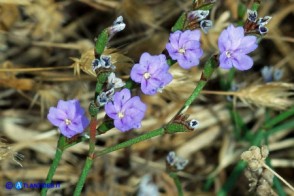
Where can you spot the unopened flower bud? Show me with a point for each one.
(118, 25)
(262, 30)
(206, 25)
(197, 15)
(252, 15)
(193, 124)
(263, 21)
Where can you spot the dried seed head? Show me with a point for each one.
(246, 156)
(254, 165)
(264, 152)
(275, 95)
(255, 152)
(255, 157)
(259, 177)
(7, 153)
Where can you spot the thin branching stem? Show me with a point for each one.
(177, 182)
(278, 176)
(56, 160)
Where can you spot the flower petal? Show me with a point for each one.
(121, 125)
(120, 98)
(248, 44)
(173, 52)
(79, 124)
(158, 64)
(64, 130)
(236, 34)
(150, 86)
(191, 58)
(144, 59)
(225, 62)
(134, 103)
(223, 44)
(73, 108)
(111, 110)
(244, 62)
(174, 39)
(166, 79)
(56, 116)
(137, 72)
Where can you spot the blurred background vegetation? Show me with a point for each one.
(46, 49)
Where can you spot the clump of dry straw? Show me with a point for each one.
(275, 95)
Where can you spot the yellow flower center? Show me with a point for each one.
(182, 50)
(67, 121)
(147, 75)
(120, 115)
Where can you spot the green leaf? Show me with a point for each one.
(105, 126)
(255, 5)
(101, 42)
(176, 127)
(180, 24)
(206, 6)
(242, 9)
(93, 109)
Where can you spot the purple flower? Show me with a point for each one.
(185, 48)
(126, 112)
(152, 73)
(69, 117)
(234, 47)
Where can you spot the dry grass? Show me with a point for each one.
(45, 50)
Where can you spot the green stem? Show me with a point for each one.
(83, 176)
(89, 160)
(56, 160)
(208, 70)
(177, 182)
(209, 67)
(130, 142)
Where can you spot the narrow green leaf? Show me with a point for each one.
(101, 42)
(180, 24)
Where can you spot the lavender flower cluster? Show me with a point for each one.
(152, 72)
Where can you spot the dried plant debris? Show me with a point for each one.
(260, 179)
(258, 173)
(275, 95)
(46, 54)
(6, 153)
